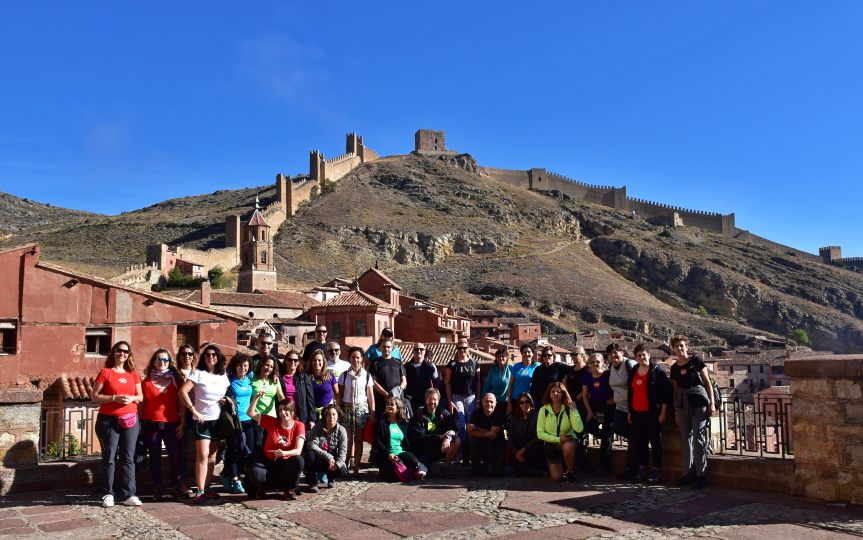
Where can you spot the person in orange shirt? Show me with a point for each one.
(161, 421)
(118, 391)
(649, 398)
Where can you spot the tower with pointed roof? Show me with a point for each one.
(257, 269)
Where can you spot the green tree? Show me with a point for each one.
(801, 336)
(216, 276)
(702, 310)
(175, 277)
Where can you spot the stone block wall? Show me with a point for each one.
(827, 395)
(20, 411)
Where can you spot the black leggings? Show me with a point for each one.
(281, 474)
(388, 470)
(316, 463)
(645, 429)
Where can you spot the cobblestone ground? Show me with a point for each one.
(459, 508)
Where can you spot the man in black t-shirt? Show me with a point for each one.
(421, 375)
(547, 372)
(388, 375)
(573, 382)
(485, 437)
(320, 343)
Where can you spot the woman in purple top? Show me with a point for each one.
(324, 385)
(598, 399)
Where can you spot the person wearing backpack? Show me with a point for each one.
(649, 399)
(693, 407)
(356, 399)
(557, 425)
(619, 369)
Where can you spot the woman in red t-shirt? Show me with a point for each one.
(280, 462)
(649, 398)
(161, 420)
(118, 391)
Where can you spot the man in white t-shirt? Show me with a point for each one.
(334, 362)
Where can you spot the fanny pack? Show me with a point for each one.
(128, 420)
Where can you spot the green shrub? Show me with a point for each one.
(702, 310)
(801, 336)
(216, 276)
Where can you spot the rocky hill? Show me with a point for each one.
(19, 215)
(446, 233)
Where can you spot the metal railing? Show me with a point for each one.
(68, 431)
(755, 425)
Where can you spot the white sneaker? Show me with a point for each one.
(132, 501)
(107, 501)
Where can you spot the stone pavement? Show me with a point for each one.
(462, 508)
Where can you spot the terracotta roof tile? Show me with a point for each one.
(290, 298)
(76, 388)
(356, 298)
(441, 354)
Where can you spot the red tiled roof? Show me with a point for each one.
(258, 220)
(290, 298)
(383, 277)
(356, 299)
(76, 387)
(441, 354)
(236, 299)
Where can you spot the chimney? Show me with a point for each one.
(205, 293)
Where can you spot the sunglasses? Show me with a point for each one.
(420, 350)
(270, 343)
(210, 354)
(292, 360)
(320, 331)
(461, 348)
(335, 350)
(162, 360)
(122, 351)
(524, 402)
(186, 353)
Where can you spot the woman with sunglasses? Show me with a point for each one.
(462, 383)
(209, 384)
(161, 421)
(279, 463)
(185, 365)
(117, 389)
(325, 386)
(297, 386)
(547, 372)
(357, 402)
(523, 443)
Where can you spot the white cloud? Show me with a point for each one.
(282, 67)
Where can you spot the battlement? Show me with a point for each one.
(830, 254)
(675, 208)
(568, 179)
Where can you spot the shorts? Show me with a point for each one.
(205, 430)
(553, 452)
(355, 417)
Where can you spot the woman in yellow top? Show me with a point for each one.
(556, 426)
(267, 381)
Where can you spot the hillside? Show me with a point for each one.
(19, 215)
(446, 233)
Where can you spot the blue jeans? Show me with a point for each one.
(154, 434)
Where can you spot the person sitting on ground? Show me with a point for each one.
(325, 387)
(392, 442)
(522, 375)
(297, 386)
(548, 371)
(326, 450)
(598, 399)
(357, 402)
(374, 353)
(557, 424)
(498, 379)
(524, 445)
(486, 445)
(334, 361)
(421, 375)
(649, 400)
(433, 432)
(279, 463)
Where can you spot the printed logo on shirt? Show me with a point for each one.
(122, 380)
(281, 440)
(596, 384)
(683, 371)
(638, 382)
(430, 425)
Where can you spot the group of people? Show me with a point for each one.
(276, 419)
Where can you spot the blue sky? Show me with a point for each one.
(747, 107)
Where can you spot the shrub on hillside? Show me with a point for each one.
(801, 336)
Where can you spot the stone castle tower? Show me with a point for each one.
(257, 269)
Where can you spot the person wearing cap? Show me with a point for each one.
(335, 364)
(374, 352)
(319, 344)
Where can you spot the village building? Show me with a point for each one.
(57, 327)
(517, 330)
(483, 323)
(747, 370)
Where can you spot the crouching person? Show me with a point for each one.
(392, 445)
(557, 426)
(326, 450)
(280, 462)
(433, 433)
(485, 437)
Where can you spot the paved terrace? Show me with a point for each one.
(460, 508)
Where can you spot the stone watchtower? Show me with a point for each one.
(429, 140)
(830, 254)
(257, 269)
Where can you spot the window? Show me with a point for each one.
(778, 370)
(731, 383)
(748, 369)
(187, 335)
(264, 257)
(275, 315)
(360, 328)
(98, 341)
(8, 337)
(252, 314)
(292, 340)
(762, 369)
(336, 329)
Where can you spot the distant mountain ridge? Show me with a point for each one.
(446, 232)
